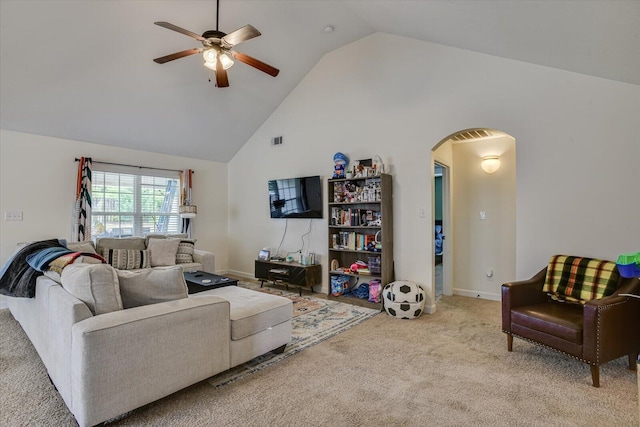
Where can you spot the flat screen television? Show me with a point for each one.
(296, 197)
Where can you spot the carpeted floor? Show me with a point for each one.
(314, 320)
(446, 369)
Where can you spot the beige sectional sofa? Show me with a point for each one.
(201, 260)
(111, 356)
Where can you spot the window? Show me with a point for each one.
(128, 201)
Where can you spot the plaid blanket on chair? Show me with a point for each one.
(578, 279)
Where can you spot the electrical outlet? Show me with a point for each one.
(13, 215)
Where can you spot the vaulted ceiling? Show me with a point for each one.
(83, 70)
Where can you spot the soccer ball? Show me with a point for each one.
(404, 299)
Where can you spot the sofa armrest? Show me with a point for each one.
(609, 328)
(125, 359)
(207, 259)
(47, 320)
(521, 293)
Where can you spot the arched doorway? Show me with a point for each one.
(478, 213)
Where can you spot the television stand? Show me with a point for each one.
(288, 273)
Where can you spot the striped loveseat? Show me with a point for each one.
(577, 306)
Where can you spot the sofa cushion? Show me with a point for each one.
(185, 251)
(163, 251)
(94, 284)
(151, 286)
(127, 259)
(578, 279)
(552, 318)
(252, 311)
(137, 243)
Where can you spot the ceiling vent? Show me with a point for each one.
(470, 135)
(276, 141)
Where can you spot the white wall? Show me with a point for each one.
(577, 155)
(489, 244)
(38, 175)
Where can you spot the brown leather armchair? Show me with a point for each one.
(597, 332)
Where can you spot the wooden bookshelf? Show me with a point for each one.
(361, 229)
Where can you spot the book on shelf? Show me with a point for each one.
(350, 240)
(369, 238)
(354, 217)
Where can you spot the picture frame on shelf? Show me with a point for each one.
(264, 255)
(363, 168)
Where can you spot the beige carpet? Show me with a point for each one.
(446, 369)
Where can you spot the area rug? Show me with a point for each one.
(317, 319)
(301, 304)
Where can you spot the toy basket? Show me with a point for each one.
(629, 265)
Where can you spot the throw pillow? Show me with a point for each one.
(94, 284)
(127, 259)
(88, 260)
(185, 251)
(82, 247)
(163, 251)
(59, 264)
(164, 236)
(151, 286)
(137, 243)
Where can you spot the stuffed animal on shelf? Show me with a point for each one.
(378, 165)
(358, 265)
(340, 163)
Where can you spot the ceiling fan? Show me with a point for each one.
(217, 49)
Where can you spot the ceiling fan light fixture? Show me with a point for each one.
(226, 61)
(210, 62)
(217, 50)
(210, 55)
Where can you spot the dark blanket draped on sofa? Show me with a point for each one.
(18, 278)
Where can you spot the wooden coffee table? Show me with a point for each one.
(198, 281)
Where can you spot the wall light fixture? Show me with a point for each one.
(490, 164)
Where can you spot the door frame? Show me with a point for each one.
(447, 229)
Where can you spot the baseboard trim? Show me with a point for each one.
(238, 273)
(430, 309)
(477, 294)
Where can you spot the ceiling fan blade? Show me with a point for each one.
(272, 71)
(222, 80)
(180, 30)
(240, 35)
(177, 55)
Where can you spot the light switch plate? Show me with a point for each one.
(13, 215)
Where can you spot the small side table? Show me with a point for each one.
(198, 281)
